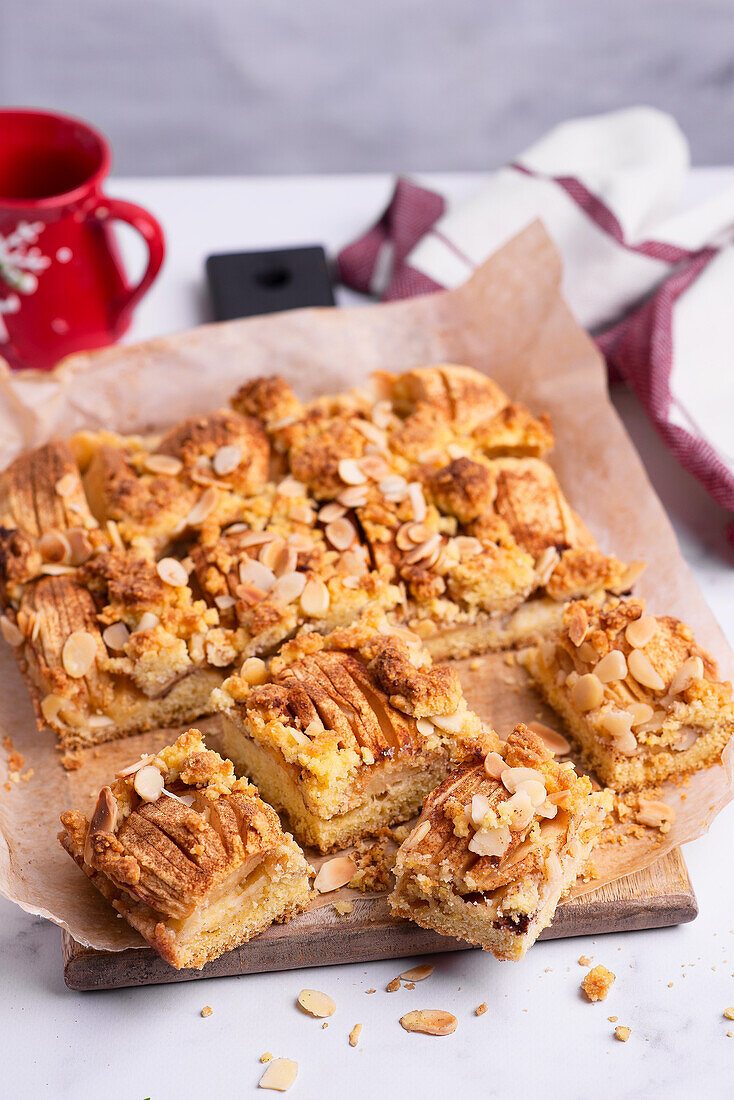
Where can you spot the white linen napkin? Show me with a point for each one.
(652, 283)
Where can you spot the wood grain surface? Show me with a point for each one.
(659, 896)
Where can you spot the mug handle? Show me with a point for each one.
(151, 232)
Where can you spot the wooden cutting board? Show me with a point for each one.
(661, 895)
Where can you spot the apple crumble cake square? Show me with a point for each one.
(348, 732)
(190, 856)
(641, 698)
(497, 845)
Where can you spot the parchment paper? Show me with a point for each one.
(508, 320)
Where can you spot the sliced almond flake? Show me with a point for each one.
(418, 973)
(382, 414)
(350, 472)
(167, 465)
(331, 511)
(224, 602)
(54, 547)
(494, 765)
(53, 569)
(421, 830)
(418, 501)
(148, 783)
(290, 487)
(392, 483)
(316, 1003)
(254, 572)
(116, 636)
(286, 561)
(172, 572)
(227, 459)
(50, 706)
(268, 553)
(450, 723)
(371, 431)
(424, 550)
(302, 513)
(10, 632)
(554, 741)
(301, 542)
(315, 599)
(288, 587)
(204, 506)
(131, 769)
(425, 727)
(66, 485)
(334, 874)
(80, 548)
(643, 671)
(279, 1074)
(114, 532)
(429, 1021)
(374, 466)
(353, 497)
(78, 654)
(690, 671)
(251, 538)
(612, 667)
(340, 533)
(467, 546)
(641, 631)
(546, 564)
(148, 621)
(254, 671)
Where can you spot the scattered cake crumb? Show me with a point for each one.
(207, 1010)
(371, 990)
(343, 908)
(393, 986)
(597, 983)
(324, 1025)
(585, 960)
(266, 1057)
(375, 858)
(354, 1035)
(622, 1033)
(729, 1013)
(480, 1009)
(72, 761)
(612, 1019)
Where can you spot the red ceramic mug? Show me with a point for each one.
(62, 284)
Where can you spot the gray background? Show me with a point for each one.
(238, 86)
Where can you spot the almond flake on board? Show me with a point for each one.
(334, 874)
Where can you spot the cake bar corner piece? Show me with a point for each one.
(643, 700)
(191, 857)
(497, 845)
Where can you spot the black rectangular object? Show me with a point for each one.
(247, 284)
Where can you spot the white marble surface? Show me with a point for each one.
(539, 1036)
